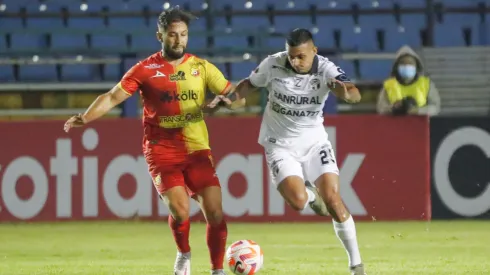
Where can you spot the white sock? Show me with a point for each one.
(346, 232)
(311, 197)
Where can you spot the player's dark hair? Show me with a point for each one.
(298, 36)
(172, 15)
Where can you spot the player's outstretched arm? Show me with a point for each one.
(236, 97)
(101, 106)
(345, 90)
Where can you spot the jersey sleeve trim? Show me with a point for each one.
(124, 90)
(226, 87)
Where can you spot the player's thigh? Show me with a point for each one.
(321, 169)
(168, 180)
(199, 173)
(287, 174)
(210, 201)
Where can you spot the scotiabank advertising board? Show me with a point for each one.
(99, 173)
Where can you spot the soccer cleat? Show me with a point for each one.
(182, 264)
(218, 272)
(357, 270)
(318, 205)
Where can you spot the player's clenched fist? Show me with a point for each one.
(74, 121)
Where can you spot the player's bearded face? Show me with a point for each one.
(174, 40)
(301, 57)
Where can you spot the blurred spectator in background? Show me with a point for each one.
(408, 90)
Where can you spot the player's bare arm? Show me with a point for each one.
(101, 106)
(347, 91)
(235, 97)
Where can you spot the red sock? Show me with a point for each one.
(181, 233)
(216, 240)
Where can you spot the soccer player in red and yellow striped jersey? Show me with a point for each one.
(173, 86)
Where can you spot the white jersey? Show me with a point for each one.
(293, 116)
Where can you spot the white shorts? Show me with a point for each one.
(308, 165)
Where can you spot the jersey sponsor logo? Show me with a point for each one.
(180, 121)
(159, 74)
(153, 66)
(168, 97)
(179, 76)
(299, 100)
(298, 113)
(283, 81)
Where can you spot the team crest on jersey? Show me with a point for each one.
(195, 72)
(180, 75)
(315, 84)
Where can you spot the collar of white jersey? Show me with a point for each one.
(314, 66)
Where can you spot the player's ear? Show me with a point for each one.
(159, 36)
(315, 49)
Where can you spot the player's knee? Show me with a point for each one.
(214, 217)
(180, 212)
(298, 200)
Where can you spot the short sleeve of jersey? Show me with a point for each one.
(334, 71)
(215, 80)
(131, 81)
(260, 77)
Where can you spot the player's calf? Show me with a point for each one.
(345, 229)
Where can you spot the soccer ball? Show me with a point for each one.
(244, 257)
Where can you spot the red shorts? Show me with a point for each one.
(195, 172)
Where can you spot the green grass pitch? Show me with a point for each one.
(147, 248)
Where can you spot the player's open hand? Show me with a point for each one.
(74, 121)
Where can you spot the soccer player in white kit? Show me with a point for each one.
(296, 145)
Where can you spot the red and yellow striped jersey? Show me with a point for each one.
(173, 98)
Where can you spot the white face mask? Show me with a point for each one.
(407, 71)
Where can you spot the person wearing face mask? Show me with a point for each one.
(408, 90)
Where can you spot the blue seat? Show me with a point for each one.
(146, 42)
(347, 66)
(458, 3)
(79, 73)
(285, 24)
(230, 41)
(369, 26)
(108, 41)
(248, 22)
(130, 62)
(38, 73)
(68, 41)
(372, 5)
(450, 32)
(7, 73)
(12, 5)
(242, 70)
(3, 42)
(44, 23)
(128, 23)
(396, 37)
(345, 24)
(112, 72)
(412, 3)
(27, 41)
(89, 23)
(375, 69)
(196, 42)
(13, 24)
(223, 70)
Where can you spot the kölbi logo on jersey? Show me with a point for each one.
(182, 96)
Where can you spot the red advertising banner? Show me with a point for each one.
(98, 172)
